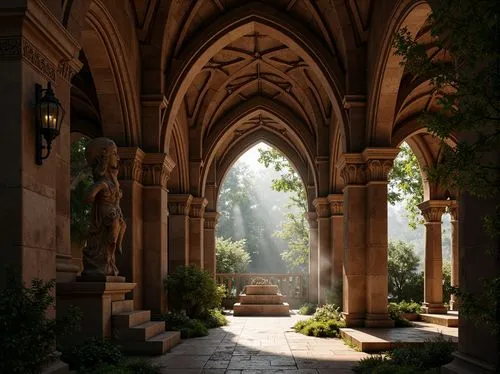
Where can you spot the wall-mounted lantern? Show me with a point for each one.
(49, 116)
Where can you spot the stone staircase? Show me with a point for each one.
(261, 300)
(134, 331)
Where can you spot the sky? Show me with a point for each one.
(251, 156)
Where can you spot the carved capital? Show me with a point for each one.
(336, 204)
(312, 218)
(156, 169)
(198, 205)
(379, 163)
(179, 205)
(131, 163)
(211, 219)
(67, 69)
(322, 207)
(433, 210)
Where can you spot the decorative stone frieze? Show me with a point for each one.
(156, 169)
(179, 205)
(322, 206)
(197, 209)
(336, 202)
(131, 163)
(312, 218)
(211, 219)
(433, 210)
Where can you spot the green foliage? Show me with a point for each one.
(81, 180)
(405, 184)
(368, 364)
(325, 322)
(396, 315)
(327, 312)
(308, 309)
(447, 288)
(406, 307)
(231, 256)
(129, 366)
(192, 291)
(91, 354)
(405, 282)
(27, 334)
(189, 328)
(213, 318)
(294, 230)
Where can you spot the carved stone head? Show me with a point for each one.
(102, 156)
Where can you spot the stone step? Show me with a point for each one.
(261, 309)
(448, 320)
(122, 306)
(261, 299)
(131, 319)
(157, 345)
(140, 332)
(266, 289)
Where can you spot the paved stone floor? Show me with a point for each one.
(255, 345)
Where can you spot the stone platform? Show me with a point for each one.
(261, 300)
(383, 339)
(448, 320)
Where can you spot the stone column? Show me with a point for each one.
(432, 210)
(156, 171)
(337, 243)
(34, 49)
(324, 251)
(196, 231)
(352, 171)
(378, 164)
(209, 242)
(313, 257)
(129, 263)
(178, 228)
(455, 255)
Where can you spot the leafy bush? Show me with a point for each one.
(432, 354)
(27, 335)
(91, 354)
(327, 312)
(231, 256)
(213, 318)
(134, 366)
(409, 307)
(192, 290)
(396, 314)
(367, 365)
(307, 309)
(189, 328)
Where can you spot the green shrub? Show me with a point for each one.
(389, 368)
(134, 366)
(27, 335)
(406, 307)
(430, 355)
(189, 328)
(307, 309)
(367, 365)
(192, 290)
(213, 318)
(91, 354)
(321, 329)
(327, 312)
(396, 315)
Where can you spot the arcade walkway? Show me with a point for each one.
(255, 345)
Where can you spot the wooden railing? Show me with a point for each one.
(293, 286)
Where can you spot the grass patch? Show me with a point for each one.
(325, 323)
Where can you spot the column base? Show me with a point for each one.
(354, 319)
(463, 364)
(93, 299)
(378, 320)
(437, 308)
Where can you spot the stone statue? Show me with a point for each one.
(107, 225)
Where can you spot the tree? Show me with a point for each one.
(294, 230)
(404, 279)
(405, 184)
(231, 256)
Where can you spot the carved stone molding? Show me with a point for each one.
(378, 170)
(352, 169)
(312, 218)
(211, 219)
(179, 205)
(131, 163)
(433, 210)
(336, 204)
(322, 206)
(156, 169)
(198, 205)
(68, 68)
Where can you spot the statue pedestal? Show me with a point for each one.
(94, 299)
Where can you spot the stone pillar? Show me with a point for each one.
(455, 255)
(432, 210)
(129, 263)
(34, 49)
(196, 231)
(352, 171)
(156, 171)
(178, 228)
(378, 164)
(209, 242)
(337, 243)
(313, 257)
(324, 251)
